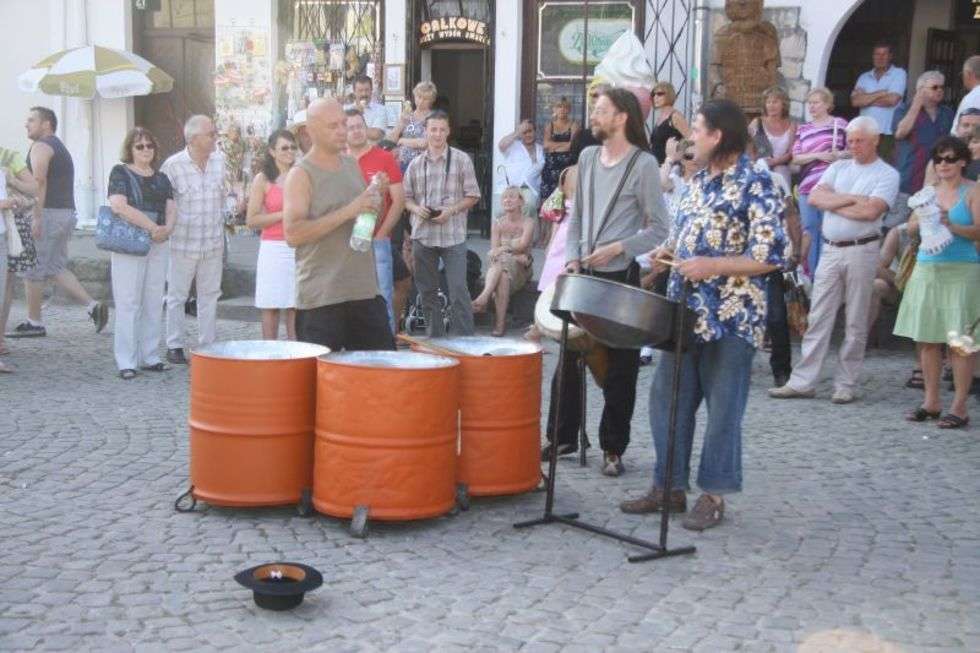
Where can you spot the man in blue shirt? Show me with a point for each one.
(878, 92)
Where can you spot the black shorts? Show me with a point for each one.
(358, 325)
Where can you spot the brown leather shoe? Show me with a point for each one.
(653, 501)
(706, 514)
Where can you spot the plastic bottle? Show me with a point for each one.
(363, 234)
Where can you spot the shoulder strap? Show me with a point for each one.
(134, 183)
(593, 240)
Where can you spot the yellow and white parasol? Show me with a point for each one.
(91, 71)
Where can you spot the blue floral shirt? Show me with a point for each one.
(737, 213)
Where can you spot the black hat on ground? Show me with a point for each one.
(279, 585)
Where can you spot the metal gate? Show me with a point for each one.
(673, 47)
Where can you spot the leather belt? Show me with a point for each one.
(852, 243)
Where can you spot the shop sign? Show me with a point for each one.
(602, 33)
(454, 28)
(967, 14)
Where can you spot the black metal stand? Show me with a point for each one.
(657, 550)
(583, 436)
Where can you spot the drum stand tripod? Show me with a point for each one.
(658, 550)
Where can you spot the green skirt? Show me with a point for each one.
(939, 298)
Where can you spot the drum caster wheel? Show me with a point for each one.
(463, 497)
(359, 522)
(305, 506)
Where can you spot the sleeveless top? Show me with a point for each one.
(961, 250)
(780, 147)
(561, 137)
(272, 203)
(661, 134)
(61, 175)
(328, 271)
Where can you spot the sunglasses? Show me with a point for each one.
(286, 148)
(139, 147)
(945, 159)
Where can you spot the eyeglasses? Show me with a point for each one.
(139, 147)
(945, 159)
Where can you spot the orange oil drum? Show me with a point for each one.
(251, 420)
(386, 433)
(500, 409)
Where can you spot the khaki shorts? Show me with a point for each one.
(52, 246)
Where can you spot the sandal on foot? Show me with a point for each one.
(951, 421)
(915, 381)
(920, 414)
(127, 374)
(156, 367)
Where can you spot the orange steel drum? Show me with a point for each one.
(500, 407)
(386, 430)
(251, 421)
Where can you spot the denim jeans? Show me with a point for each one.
(384, 265)
(777, 323)
(811, 219)
(717, 372)
(427, 282)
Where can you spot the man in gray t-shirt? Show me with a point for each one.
(637, 222)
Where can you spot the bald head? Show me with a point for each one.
(325, 121)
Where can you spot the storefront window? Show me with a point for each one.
(183, 14)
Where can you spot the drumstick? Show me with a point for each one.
(665, 261)
(425, 344)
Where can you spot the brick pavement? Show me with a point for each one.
(853, 525)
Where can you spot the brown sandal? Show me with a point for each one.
(951, 421)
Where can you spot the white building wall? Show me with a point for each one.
(506, 43)
(25, 45)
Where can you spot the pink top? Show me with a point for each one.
(811, 139)
(273, 204)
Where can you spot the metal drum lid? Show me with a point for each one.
(260, 350)
(484, 346)
(405, 360)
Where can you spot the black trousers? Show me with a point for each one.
(353, 326)
(619, 390)
(777, 323)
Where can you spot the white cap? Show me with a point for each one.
(299, 120)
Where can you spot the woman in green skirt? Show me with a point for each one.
(943, 293)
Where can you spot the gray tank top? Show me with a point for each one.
(61, 175)
(328, 271)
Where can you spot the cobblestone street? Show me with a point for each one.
(855, 528)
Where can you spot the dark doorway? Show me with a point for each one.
(874, 21)
(179, 38)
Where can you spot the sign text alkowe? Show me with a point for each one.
(454, 28)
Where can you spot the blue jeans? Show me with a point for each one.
(719, 373)
(811, 219)
(386, 285)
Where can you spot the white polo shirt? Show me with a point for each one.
(520, 168)
(894, 80)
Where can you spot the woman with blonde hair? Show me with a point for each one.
(668, 122)
(774, 132)
(558, 135)
(409, 133)
(818, 143)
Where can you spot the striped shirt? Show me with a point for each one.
(436, 183)
(811, 139)
(200, 198)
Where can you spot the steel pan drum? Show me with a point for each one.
(617, 314)
(251, 421)
(500, 410)
(386, 431)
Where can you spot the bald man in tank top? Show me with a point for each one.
(337, 298)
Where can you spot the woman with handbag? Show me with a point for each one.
(509, 258)
(818, 143)
(143, 197)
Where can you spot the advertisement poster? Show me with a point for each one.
(564, 35)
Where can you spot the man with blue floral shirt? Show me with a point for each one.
(727, 236)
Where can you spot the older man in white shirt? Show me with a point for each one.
(523, 160)
(971, 82)
(197, 175)
(855, 194)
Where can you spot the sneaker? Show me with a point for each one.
(706, 514)
(653, 501)
(176, 356)
(612, 465)
(100, 316)
(563, 450)
(842, 397)
(27, 330)
(788, 392)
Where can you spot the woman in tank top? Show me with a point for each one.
(275, 270)
(943, 293)
(558, 136)
(668, 122)
(774, 133)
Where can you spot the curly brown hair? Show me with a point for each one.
(138, 135)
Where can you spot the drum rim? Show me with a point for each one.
(426, 361)
(290, 350)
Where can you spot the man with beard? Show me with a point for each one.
(619, 213)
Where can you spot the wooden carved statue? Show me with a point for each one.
(745, 56)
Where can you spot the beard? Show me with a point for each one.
(599, 133)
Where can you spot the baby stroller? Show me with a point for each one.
(414, 320)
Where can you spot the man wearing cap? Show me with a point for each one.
(298, 126)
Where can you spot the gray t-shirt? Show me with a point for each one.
(639, 219)
(876, 179)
